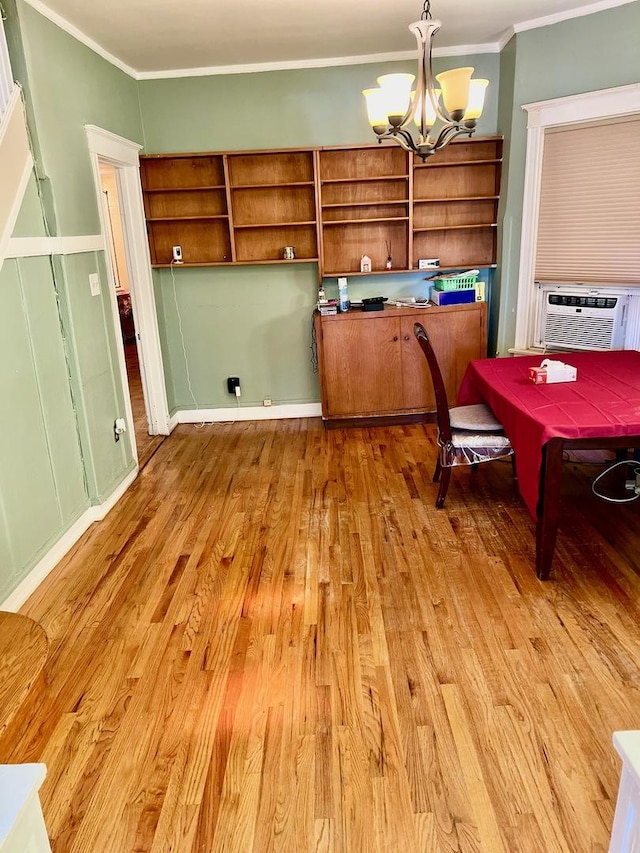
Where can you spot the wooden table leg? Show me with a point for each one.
(548, 506)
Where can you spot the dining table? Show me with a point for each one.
(599, 410)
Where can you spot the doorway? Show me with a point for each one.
(115, 165)
(146, 444)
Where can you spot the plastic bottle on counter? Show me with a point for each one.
(343, 296)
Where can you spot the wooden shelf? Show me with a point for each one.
(360, 221)
(456, 198)
(450, 163)
(185, 189)
(458, 227)
(365, 180)
(366, 203)
(184, 218)
(272, 186)
(236, 263)
(353, 273)
(275, 224)
(334, 204)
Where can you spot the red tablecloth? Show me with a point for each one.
(604, 402)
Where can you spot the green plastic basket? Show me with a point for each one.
(456, 282)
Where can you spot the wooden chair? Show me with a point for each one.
(467, 435)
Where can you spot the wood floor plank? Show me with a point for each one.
(275, 642)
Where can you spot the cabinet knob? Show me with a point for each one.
(406, 337)
(395, 337)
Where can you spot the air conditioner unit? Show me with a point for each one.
(592, 320)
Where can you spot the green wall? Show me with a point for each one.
(585, 54)
(70, 86)
(42, 487)
(60, 385)
(253, 321)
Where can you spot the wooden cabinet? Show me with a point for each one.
(230, 208)
(333, 205)
(364, 204)
(273, 205)
(371, 365)
(185, 201)
(455, 204)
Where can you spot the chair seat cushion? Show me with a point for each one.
(462, 438)
(477, 418)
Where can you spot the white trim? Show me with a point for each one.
(525, 319)
(77, 34)
(558, 17)
(587, 106)
(68, 539)
(325, 62)
(108, 144)
(173, 422)
(124, 155)
(248, 413)
(30, 247)
(15, 103)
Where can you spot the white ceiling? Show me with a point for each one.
(152, 37)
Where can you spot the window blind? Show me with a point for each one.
(589, 217)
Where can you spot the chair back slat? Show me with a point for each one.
(442, 404)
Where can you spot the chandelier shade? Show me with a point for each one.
(452, 98)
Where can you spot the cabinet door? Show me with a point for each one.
(362, 366)
(457, 338)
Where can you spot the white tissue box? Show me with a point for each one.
(551, 371)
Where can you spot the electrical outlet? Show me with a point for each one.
(119, 427)
(233, 385)
(266, 401)
(94, 284)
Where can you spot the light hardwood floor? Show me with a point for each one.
(275, 642)
(146, 445)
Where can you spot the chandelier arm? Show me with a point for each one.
(404, 138)
(448, 132)
(431, 84)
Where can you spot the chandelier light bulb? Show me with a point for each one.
(450, 102)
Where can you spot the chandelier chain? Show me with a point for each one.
(426, 11)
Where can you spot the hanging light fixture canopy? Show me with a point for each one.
(393, 107)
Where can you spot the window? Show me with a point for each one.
(604, 106)
(589, 212)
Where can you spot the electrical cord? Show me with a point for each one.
(636, 487)
(184, 348)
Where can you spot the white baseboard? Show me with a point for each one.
(51, 559)
(247, 413)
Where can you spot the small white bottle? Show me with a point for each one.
(365, 263)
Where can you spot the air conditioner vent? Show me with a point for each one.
(579, 332)
(593, 321)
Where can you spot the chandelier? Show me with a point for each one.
(393, 107)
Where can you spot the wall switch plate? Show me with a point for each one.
(94, 284)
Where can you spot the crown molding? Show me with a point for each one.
(505, 38)
(328, 62)
(558, 17)
(77, 34)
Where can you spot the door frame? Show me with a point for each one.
(124, 156)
